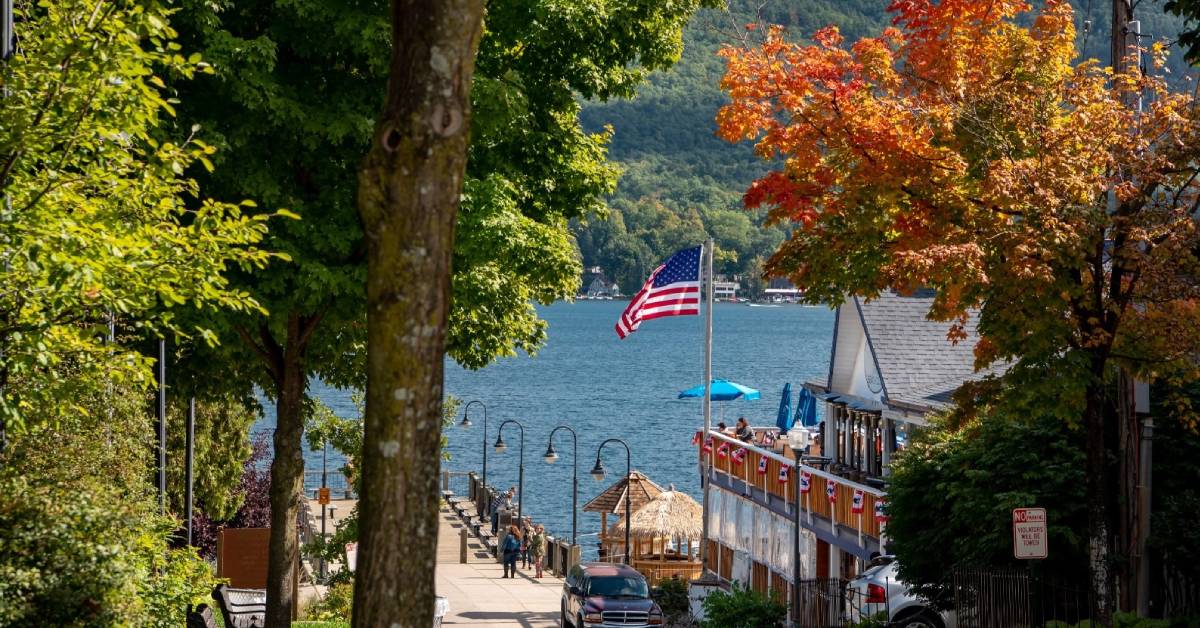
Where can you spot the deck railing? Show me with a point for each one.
(816, 501)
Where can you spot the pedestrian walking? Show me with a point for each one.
(502, 500)
(526, 532)
(510, 548)
(537, 548)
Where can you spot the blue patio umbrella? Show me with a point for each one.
(806, 409)
(722, 390)
(784, 420)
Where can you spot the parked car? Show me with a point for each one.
(599, 595)
(878, 589)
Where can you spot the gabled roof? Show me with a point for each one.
(612, 500)
(915, 358)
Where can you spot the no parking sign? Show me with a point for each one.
(1029, 532)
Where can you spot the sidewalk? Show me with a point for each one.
(478, 595)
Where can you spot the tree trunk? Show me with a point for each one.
(1101, 487)
(408, 196)
(287, 478)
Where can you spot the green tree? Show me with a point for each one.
(222, 446)
(99, 219)
(968, 478)
(282, 87)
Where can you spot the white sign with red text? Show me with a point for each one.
(1029, 533)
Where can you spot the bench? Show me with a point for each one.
(201, 617)
(241, 608)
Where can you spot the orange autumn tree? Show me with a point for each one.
(970, 152)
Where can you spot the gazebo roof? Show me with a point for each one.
(673, 514)
(612, 500)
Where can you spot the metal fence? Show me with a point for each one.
(820, 603)
(339, 488)
(560, 555)
(1006, 598)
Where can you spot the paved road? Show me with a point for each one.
(478, 595)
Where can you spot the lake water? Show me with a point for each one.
(604, 387)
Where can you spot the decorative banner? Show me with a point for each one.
(880, 510)
(696, 438)
(783, 473)
(762, 465)
(856, 506)
(831, 490)
(723, 450)
(708, 445)
(805, 482)
(739, 455)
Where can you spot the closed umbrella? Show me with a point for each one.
(784, 420)
(806, 409)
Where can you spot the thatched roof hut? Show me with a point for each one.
(673, 515)
(612, 501)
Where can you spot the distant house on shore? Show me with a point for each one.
(598, 286)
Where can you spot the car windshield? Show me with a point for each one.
(618, 586)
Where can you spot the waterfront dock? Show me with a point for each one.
(478, 596)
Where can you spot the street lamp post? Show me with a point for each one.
(324, 484)
(500, 447)
(552, 457)
(598, 474)
(466, 422)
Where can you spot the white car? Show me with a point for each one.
(879, 589)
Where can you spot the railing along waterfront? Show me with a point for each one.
(816, 501)
(335, 481)
(473, 505)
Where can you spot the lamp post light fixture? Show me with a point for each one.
(466, 422)
(500, 448)
(598, 473)
(552, 456)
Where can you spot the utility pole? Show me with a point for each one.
(161, 428)
(1136, 424)
(6, 50)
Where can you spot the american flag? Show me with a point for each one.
(673, 289)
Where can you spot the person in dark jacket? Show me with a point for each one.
(510, 549)
(744, 433)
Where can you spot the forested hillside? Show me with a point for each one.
(681, 182)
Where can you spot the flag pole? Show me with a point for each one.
(708, 332)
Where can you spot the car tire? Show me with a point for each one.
(920, 619)
(562, 619)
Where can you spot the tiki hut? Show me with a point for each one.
(611, 501)
(675, 517)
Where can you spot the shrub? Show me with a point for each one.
(335, 606)
(674, 602)
(81, 556)
(743, 608)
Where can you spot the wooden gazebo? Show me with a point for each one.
(611, 501)
(672, 517)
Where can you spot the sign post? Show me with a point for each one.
(1029, 533)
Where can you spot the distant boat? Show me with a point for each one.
(762, 305)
